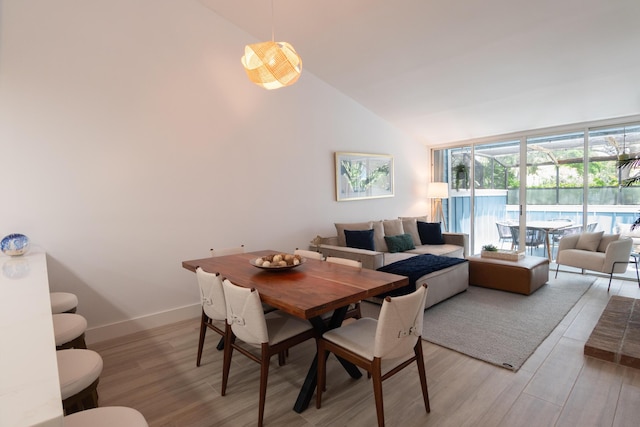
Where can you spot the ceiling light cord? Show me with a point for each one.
(273, 37)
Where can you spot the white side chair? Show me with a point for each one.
(63, 302)
(272, 333)
(214, 310)
(79, 372)
(109, 416)
(354, 310)
(308, 254)
(68, 330)
(344, 261)
(227, 251)
(393, 339)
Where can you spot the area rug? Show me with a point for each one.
(502, 328)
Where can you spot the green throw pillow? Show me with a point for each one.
(399, 243)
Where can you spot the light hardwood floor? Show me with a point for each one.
(155, 372)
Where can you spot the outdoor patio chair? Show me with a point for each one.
(534, 237)
(504, 233)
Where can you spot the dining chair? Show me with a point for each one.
(273, 333)
(344, 261)
(214, 310)
(354, 311)
(504, 233)
(308, 254)
(393, 339)
(227, 251)
(68, 330)
(534, 237)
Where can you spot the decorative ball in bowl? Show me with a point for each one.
(14, 244)
(278, 262)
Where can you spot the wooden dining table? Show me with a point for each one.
(306, 291)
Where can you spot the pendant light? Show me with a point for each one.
(272, 64)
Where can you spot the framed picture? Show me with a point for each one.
(363, 176)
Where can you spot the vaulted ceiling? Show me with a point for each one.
(459, 69)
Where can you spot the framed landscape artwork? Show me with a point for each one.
(363, 176)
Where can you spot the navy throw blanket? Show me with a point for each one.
(416, 267)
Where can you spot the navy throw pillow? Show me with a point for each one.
(399, 243)
(430, 233)
(360, 239)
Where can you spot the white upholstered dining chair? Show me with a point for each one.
(309, 254)
(227, 251)
(354, 310)
(393, 341)
(214, 310)
(271, 333)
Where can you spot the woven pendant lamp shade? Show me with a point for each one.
(272, 65)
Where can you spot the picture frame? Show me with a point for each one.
(363, 176)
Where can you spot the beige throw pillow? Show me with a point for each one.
(606, 239)
(392, 227)
(340, 227)
(410, 226)
(589, 241)
(378, 236)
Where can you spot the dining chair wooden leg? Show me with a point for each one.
(203, 331)
(423, 375)
(377, 389)
(264, 375)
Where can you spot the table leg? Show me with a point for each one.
(309, 385)
(546, 238)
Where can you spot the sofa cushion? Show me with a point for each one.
(410, 226)
(430, 233)
(360, 239)
(340, 227)
(589, 241)
(392, 227)
(606, 239)
(378, 237)
(399, 243)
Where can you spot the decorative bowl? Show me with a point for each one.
(14, 244)
(274, 264)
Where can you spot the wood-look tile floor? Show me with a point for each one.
(155, 372)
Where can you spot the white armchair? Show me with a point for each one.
(605, 253)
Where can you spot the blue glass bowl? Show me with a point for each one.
(14, 244)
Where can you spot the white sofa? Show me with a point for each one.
(605, 253)
(442, 284)
(455, 244)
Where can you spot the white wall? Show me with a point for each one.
(131, 140)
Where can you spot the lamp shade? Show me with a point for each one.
(438, 190)
(272, 65)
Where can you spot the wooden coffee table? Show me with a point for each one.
(524, 276)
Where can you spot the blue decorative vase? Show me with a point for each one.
(14, 244)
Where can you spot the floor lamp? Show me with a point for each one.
(439, 191)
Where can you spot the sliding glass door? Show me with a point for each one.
(560, 183)
(612, 206)
(496, 197)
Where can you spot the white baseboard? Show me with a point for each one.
(126, 327)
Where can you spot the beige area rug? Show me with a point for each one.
(502, 328)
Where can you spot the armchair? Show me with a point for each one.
(605, 253)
